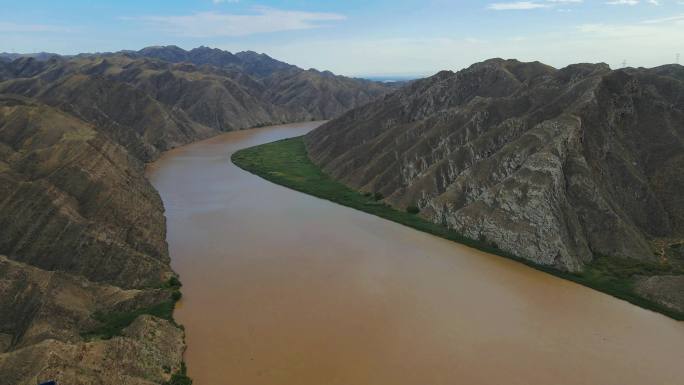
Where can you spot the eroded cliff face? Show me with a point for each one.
(85, 235)
(74, 201)
(556, 166)
(86, 291)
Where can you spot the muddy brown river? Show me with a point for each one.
(281, 288)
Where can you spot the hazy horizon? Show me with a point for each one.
(353, 38)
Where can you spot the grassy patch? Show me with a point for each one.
(113, 323)
(81, 134)
(626, 268)
(285, 162)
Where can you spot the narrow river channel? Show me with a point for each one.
(281, 288)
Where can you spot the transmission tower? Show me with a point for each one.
(624, 63)
(677, 59)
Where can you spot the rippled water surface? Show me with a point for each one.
(284, 288)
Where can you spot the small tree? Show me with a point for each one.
(176, 295)
(412, 210)
(174, 282)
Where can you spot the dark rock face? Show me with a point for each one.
(556, 166)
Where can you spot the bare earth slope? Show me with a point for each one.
(555, 166)
(86, 290)
(74, 201)
(85, 234)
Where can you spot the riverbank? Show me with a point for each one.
(286, 163)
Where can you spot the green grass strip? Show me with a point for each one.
(285, 162)
(113, 323)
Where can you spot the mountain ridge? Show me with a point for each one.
(559, 166)
(83, 253)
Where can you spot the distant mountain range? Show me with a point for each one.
(7, 56)
(204, 89)
(82, 229)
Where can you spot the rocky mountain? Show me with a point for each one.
(558, 166)
(85, 234)
(321, 94)
(63, 180)
(7, 56)
(260, 65)
(84, 265)
(149, 105)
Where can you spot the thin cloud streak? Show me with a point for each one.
(29, 28)
(517, 6)
(216, 24)
(610, 43)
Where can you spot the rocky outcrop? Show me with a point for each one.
(148, 352)
(555, 166)
(39, 304)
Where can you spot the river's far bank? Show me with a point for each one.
(286, 163)
(283, 287)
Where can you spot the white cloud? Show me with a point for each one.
(526, 5)
(623, 2)
(16, 27)
(518, 5)
(671, 19)
(262, 20)
(633, 2)
(640, 44)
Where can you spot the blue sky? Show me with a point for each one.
(354, 37)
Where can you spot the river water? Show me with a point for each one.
(282, 288)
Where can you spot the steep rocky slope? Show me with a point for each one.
(85, 233)
(555, 166)
(86, 291)
(74, 201)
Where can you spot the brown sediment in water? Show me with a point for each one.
(284, 288)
